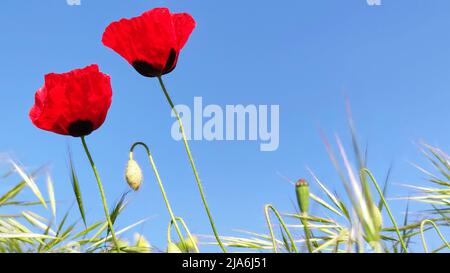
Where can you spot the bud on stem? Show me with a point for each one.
(302, 192)
(133, 174)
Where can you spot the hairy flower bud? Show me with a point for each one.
(302, 192)
(133, 174)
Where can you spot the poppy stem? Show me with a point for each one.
(304, 221)
(191, 160)
(158, 178)
(102, 193)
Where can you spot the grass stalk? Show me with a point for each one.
(191, 160)
(422, 224)
(188, 232)
(282, 223)
(388, 210)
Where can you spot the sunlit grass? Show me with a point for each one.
(355, 223)
(360, 221)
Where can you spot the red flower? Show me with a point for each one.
(151, 42)
(73, 103)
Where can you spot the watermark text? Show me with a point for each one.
(231, 123)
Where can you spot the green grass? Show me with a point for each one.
(360, 221)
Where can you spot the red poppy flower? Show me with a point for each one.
(73, 103)
(151, 42)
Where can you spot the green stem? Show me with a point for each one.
(307, 232)
(102, 193)
(380, 192)
(188, 232)
(439, 248)
(286, 230)
(169, 238)
(191, 160)
(158, 178)
(437, 230)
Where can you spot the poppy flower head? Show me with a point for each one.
(151, 42)
(73, 103)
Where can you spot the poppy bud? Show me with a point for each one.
(173, 248)
(302, 192)
(133, 174)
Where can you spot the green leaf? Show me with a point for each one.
(87, 230)
(24, 235)
(29, 181)
(118, 207)
(12, 193)
(51, 195)
(76, 189)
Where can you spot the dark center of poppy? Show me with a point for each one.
(145, 69)
(148, 70)
(171, 61)
(80, 128)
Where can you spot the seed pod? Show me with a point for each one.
(173, 248)
(302, 192)
(133, 174)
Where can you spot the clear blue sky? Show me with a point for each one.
(392, 61)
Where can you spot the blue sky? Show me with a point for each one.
(391, 61)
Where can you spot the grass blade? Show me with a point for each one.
(76, 189)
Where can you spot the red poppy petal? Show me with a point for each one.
(73, 103)
(150, 42)
(184, 24)
(148, 37)
(117, 36)
(37, 115)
